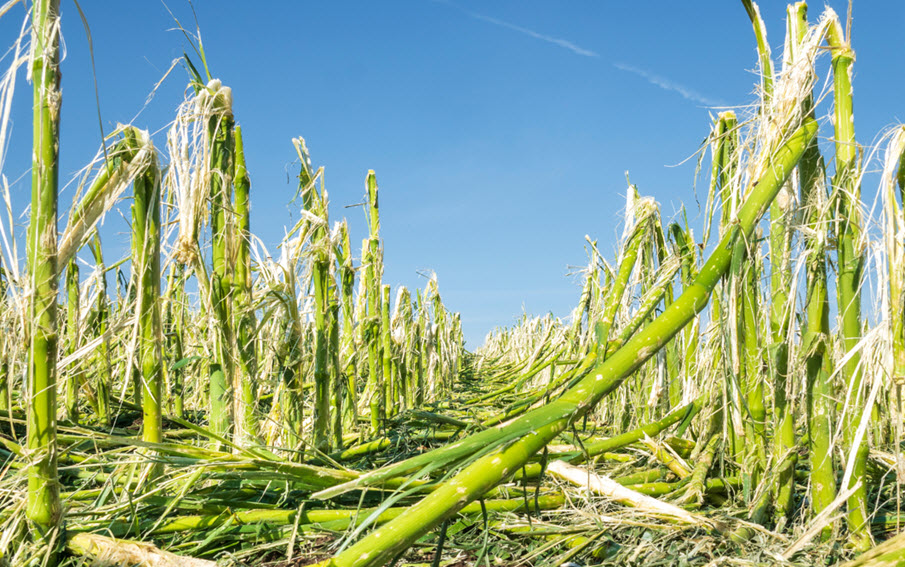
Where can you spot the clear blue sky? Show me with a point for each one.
(500, 131)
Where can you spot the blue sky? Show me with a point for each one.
(500, 131)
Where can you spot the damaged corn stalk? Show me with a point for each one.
(225, 402)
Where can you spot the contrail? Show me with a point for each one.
(564, 43)
(656, 80)
(668, 85)
(531, 33)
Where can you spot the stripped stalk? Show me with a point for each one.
(5, 398)
(750, 378)
(850, 260)
(349, 357)
(102, 354)
(683, 241)
(418, 340)
(73, 382)
(175, 330)
(894, 233)
(723, 187)
(220, 143)
(436, 374)
(386, 348)
(402, 338)
(43, 507)
(372, 262)
(245, 319)
(815, 336)
(894, 236)
(124, 161)
(316, 204)
(636, 228)
(146, 266)
(782, 311)
(337, 384)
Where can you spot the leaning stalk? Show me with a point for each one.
(548, 421)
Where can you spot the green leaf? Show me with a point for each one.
(187, 360)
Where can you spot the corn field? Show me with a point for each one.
(729, 393)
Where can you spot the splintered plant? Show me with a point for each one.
(43, 508)
(207, 397)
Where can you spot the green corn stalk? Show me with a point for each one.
(43, 504)
(722, 175)
(653, 296)
(102, 354)
(146, 266)
(73, 381)
(850, 260)
(897, 279)
(386, 349)
(683, 242)
(349, 357)
(725, 141)
(782, 312)
(222, 370)
(585, 302)
(368, 329)
(175, 331)
(292, 373)
(419, 350)
(750, 378)
(245, 320)
(338, 386)
(5, 399)
(430, 355)
(438, 331)
(126, 159)
(744, 275)
(547, 422)
(815, 336)
(373, 269)
(765, 58)
(653, 281)
(627, 260)
(403, 322)
(894, 236)
(316, 204)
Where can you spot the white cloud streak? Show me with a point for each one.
(531, 33)
(564, 43)
(668, 85)
(656, 80)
